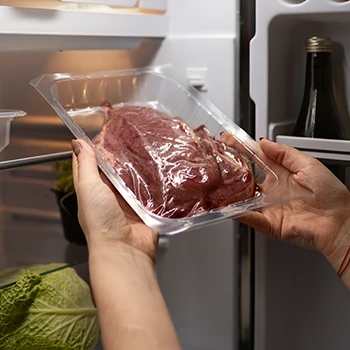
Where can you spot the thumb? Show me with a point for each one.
(289, 157)
(84, 163)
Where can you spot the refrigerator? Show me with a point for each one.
(226, 286)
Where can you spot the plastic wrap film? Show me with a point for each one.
(159, 143)
(174, 171)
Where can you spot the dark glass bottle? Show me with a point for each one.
(319, 116)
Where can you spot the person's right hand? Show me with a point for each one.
(105, 217)
(320, 221)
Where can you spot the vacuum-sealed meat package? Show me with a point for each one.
(174, 171)
(160, 145)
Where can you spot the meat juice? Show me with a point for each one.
(173, 170)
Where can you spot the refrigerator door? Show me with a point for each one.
(300, 303)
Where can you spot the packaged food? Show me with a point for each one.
(6, 117)
(173, 171)
(80, 101)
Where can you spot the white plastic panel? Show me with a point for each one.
(76, 29)
(319, 148)
(125, 3)
(199, 18)
(153, 4)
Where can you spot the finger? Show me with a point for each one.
(289, 157)
(75, 170)
(107, 182)
(128, 211)
(228, 138)
(122, 202)
(233, 142)
(256, 220)
(85, 165)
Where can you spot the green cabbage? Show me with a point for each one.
(53, 311)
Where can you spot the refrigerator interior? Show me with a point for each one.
(198, 270)
(300, 303)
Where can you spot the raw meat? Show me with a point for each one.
(237, 181)
(174, 171)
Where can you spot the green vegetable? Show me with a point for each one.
(64, 181)
(53, 312)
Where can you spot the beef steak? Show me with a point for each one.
(174, 171)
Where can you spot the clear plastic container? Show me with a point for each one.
(77, 99)
(6, 117)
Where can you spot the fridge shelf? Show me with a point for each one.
(17, 163)
(24, 29)
(319, 148)
(8, 282)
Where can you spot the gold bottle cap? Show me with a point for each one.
(318, 44)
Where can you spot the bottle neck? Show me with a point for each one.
(319, 72)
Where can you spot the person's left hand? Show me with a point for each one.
(320, 219)
(104, 216)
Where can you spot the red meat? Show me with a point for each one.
(173, 170)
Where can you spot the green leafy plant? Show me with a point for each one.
(64, 182)
(54, 311)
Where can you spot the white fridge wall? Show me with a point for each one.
(198, 273)
(204, 305)
(211, 18)
(299, 301)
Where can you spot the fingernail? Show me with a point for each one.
(264, 138)
(76, 147)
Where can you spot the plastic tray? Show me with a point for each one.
(77, 99)
(6, 117)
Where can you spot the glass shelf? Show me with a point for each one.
(31, 29)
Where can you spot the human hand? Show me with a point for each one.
(320, 221)
(104, 216)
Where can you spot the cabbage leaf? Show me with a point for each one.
(53, 311)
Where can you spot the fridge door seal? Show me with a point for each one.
(246, 234)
